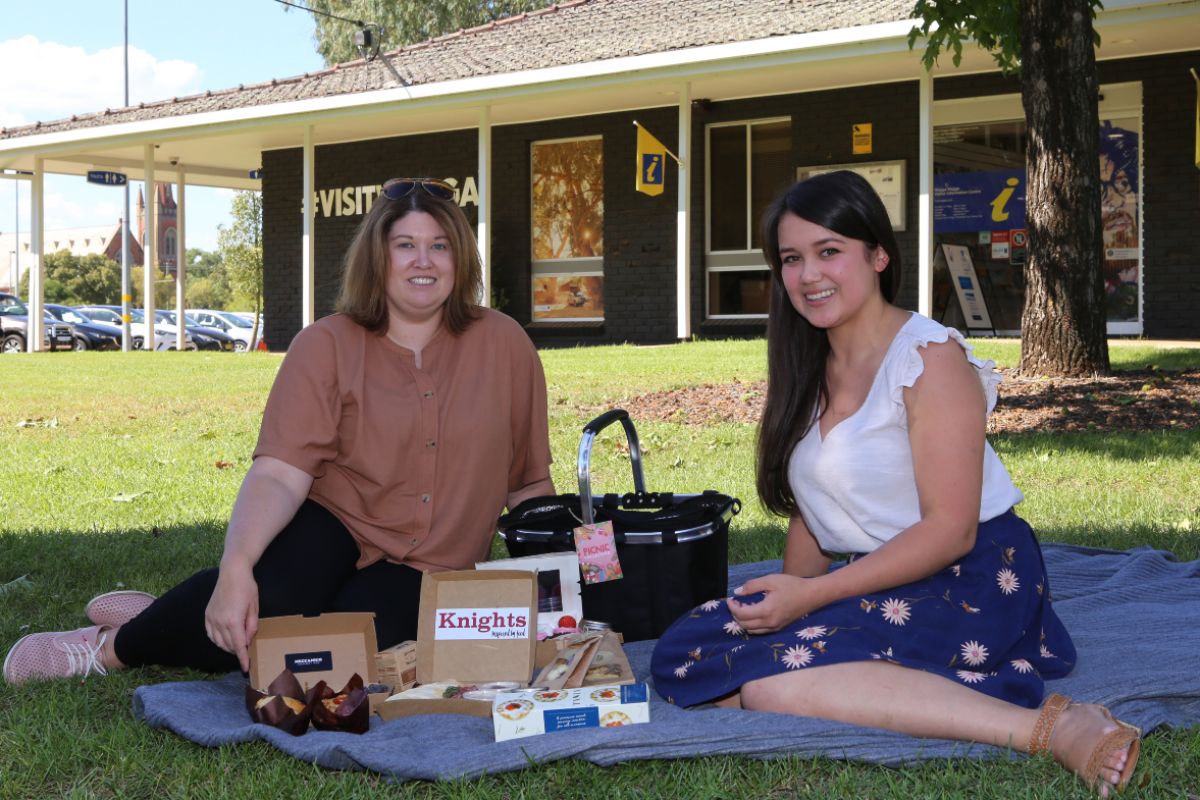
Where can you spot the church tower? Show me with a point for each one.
(168, 235)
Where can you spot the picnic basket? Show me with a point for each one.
(673, 547)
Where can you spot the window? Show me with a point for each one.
(979, 203)
(169, 245)
(748, 164)
(567, 234)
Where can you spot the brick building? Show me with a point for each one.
(750, 95)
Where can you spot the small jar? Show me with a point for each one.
(587, 625)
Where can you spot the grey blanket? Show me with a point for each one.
(1132, 615)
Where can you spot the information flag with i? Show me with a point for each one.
(651, 163)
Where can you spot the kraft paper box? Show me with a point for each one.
(329, 647)
(472, 628)
(535, 711)
(397, 666)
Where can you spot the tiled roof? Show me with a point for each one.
(566, 33)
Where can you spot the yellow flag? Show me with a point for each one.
(651, 163)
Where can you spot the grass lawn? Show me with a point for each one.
(120, 472)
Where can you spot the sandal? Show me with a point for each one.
(1125, 736)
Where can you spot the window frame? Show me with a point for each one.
(1117, 100)
(741, 260)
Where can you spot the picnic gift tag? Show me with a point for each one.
(597, 552)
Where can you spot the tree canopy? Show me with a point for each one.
(78, 280)
(240, 248)
(402, 21)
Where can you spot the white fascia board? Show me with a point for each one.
(888, 37)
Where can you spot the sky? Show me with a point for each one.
(64, 57)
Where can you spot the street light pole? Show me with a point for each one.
(126, 283)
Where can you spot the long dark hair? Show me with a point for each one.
(363, 295)
(846, 204)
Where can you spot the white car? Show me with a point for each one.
(235, 325)
(111, 315)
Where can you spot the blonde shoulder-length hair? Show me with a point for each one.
(363, 294)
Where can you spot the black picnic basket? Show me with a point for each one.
(673, 547)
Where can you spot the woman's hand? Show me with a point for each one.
(231, 618)
(786, 598)
(271, 492)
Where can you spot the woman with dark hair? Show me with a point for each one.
(872, 443)
(396, 432)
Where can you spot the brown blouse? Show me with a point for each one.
(417, 463)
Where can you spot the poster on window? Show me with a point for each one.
(568, 199)
(1119, 213)
(573, 297)
(979, 201)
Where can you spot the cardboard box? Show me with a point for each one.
(329, 647)
(534, 711)
(397, 666)
(558, 585)
(473, 627)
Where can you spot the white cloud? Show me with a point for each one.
(64, 209)
(43, 81)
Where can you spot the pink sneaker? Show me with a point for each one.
(56, 655)
(117, 608)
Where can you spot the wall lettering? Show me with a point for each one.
(354, 201)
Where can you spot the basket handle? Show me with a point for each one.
(584, 464)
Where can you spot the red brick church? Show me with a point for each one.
(168, 229)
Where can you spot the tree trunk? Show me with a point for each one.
(1063, 324)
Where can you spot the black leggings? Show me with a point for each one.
(309, 568)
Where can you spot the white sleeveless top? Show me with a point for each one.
(856, 489)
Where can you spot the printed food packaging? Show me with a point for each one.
(558, 586)
(474, 628)
(397, 666)
(534, 711)
(329, 647)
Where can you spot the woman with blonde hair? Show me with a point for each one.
(396, 432)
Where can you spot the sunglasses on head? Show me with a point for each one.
(398, 188)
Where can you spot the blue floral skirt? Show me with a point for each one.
(985, 622)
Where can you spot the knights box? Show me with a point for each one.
(474, 629)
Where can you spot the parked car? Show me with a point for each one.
(240, 328)
(205, 338)
(89, 335)
(249, 317)
(14, 327)
(163, 339)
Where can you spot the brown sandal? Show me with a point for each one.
(1125, 736)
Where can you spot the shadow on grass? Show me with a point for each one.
(65, 569)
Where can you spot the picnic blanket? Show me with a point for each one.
(1132, 615)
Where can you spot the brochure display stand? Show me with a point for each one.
(956, 259)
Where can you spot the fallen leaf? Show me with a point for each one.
(39, 422)
(22, 582)
(223, 464)
(127, 497)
